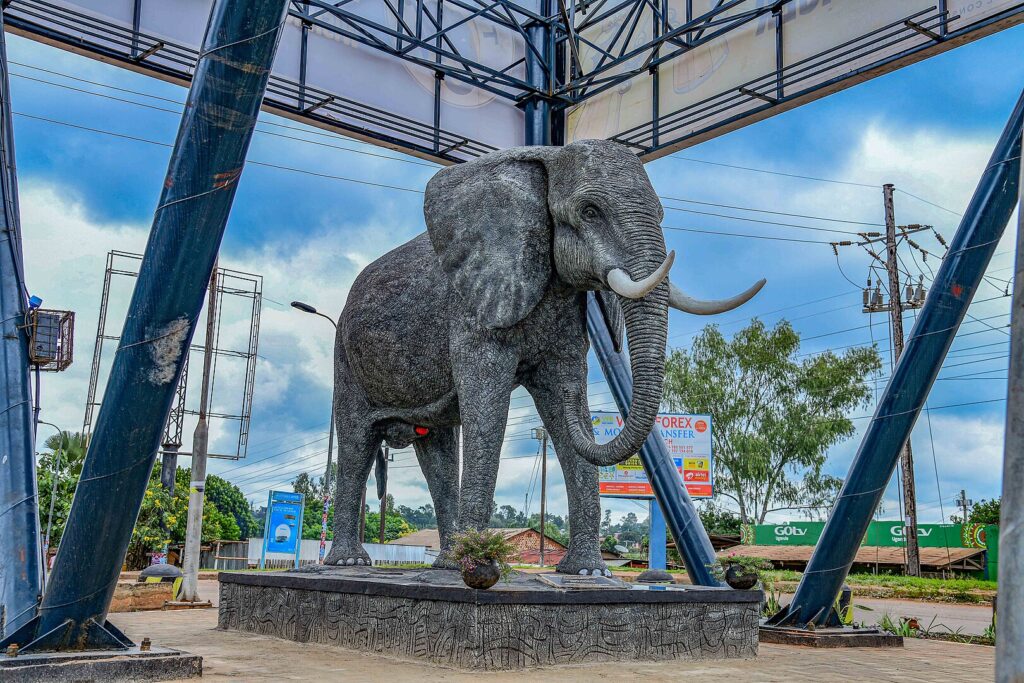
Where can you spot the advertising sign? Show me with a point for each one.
(688, 438)
(336, 66)
(282, 532)
(880, 533)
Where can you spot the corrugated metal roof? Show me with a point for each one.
(930, 557)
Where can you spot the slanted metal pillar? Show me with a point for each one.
(951, 293)
(1010, 640)
(21, 572)
(216, 127)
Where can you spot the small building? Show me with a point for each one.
(946, 549)
(526, 541)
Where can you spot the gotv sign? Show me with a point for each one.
(688, 438)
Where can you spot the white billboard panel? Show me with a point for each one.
(763, 64)
(339, 82)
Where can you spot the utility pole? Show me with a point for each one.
(542, 434)
(384, 496)
(874, 303)
(964, 503)
(896, 314)
(200, 448)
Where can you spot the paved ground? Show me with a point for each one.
(230, 656)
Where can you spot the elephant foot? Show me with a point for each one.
(445, 561)
(350, 556)
(584, 564)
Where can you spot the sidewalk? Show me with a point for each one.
(232, 656)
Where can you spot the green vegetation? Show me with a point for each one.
(162, 518)
(974, 591)
(983, 512)
(776, 413)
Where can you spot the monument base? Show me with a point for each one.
(133, 664)
(430, 614)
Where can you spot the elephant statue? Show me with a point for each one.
(438, 332)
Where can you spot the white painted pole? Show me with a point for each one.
(1010, 623)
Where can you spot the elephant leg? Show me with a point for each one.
(581, 483)
(356, 453)
(438, 455)
(484, 383)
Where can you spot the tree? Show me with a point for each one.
(774, 416)
(983, 512)
(229, 499)
(312, 519)
(70, 449)
(718, 520)
(422, 517)
(394, 526)
(313, 486)
(508, 517)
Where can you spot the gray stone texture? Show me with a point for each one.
(132, 666)
(498, 629)
(438, 332)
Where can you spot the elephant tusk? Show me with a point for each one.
(683, 302)
(623, 285)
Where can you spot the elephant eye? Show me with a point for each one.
(590, 213)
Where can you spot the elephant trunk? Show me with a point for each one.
(646, 321)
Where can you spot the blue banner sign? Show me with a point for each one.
(282, 531)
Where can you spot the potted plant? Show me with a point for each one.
(483, 556)
(739, 571)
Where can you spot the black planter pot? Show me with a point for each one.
(482, 576)
(739, 578)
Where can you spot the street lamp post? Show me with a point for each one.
(306, 308)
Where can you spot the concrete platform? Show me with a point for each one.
(156, 664)
(430, 615)
(830, 637)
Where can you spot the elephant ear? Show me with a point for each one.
(489, 224)
(611, 311)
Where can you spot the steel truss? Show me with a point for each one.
(246, 286)
(427, 33)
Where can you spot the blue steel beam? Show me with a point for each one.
(209, 153)
(938, 321)
(20, 560)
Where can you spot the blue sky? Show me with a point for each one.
(928, 129)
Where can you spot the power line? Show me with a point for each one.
(742, 234)
(778, 173)
(769, 211)
(921, 199)
(757, 220)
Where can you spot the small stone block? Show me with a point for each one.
(116, 666)
(829, 637)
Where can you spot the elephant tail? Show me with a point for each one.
(380, 473)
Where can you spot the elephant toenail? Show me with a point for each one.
(350, 561)
(582, 572)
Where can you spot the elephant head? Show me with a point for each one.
(511, 225)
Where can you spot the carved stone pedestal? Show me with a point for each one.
(431, 615)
